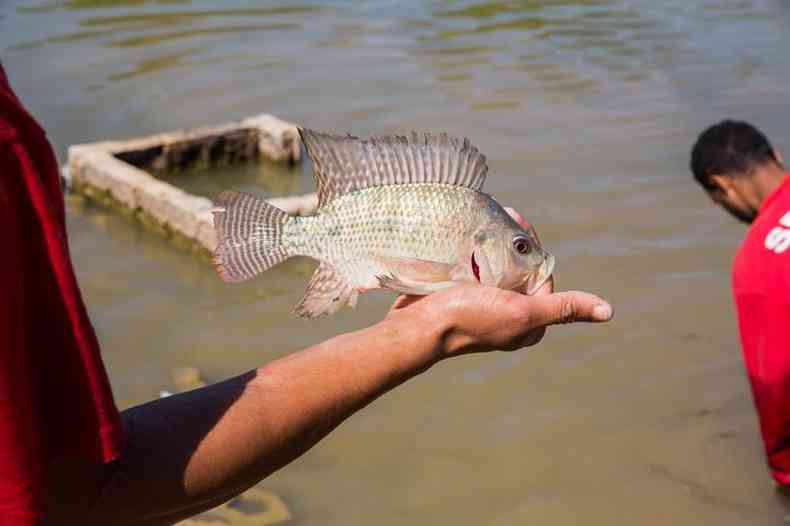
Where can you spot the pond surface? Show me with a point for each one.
(586, 111)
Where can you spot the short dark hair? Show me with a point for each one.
(731, 148)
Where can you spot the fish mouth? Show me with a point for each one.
(475, 268)
(542, 275)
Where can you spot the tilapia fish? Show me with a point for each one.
(406, 214)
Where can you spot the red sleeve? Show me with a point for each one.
(55, 399)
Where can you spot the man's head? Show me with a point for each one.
(736, 165)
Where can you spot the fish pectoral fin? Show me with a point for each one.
(414, 276)
(415, 287)
(416, 269)
(327, 292)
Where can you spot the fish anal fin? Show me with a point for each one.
(344, 163)
(327, 292)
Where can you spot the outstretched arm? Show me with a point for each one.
(193, 451)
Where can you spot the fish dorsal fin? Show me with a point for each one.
(344, 164)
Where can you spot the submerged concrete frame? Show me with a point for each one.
(120, 173)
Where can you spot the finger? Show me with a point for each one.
(518, 218)
(548, 287)
(568, 307)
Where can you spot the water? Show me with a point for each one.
(266, 178)
(586, 110)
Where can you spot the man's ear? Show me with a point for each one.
(778, 156)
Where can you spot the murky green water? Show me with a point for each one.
(586, 110)
(266, 178)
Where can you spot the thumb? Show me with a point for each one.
(568, 307)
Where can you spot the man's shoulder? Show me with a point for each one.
(763, 260)
(770, 233)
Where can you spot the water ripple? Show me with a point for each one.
(158, 38)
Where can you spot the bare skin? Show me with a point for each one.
(191, 452)
(742, 195)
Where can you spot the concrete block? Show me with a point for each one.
(278, 140)
(122, 172)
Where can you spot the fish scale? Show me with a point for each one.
(391, 221)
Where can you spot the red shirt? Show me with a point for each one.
(55, 399)
(761, 285)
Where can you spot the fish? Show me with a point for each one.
(405, 213)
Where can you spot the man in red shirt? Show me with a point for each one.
(66, 454)
(743, 173)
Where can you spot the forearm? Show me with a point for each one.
(193, 451)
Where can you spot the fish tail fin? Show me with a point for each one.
(249, 234)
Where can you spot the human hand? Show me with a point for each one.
(476, 319)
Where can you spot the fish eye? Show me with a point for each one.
(521, 245)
